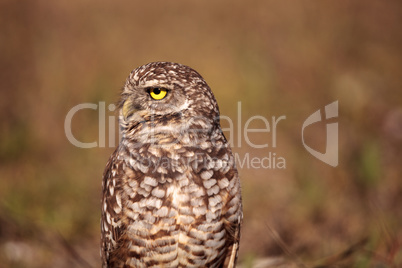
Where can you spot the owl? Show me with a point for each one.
(171, 191)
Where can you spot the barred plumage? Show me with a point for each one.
(171, 191)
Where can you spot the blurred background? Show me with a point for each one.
(277, 58)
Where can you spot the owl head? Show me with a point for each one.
(166, 97)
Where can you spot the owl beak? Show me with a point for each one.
(128, 109)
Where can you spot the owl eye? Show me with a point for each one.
(157, 93)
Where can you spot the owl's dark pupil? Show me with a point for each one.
(157, 91)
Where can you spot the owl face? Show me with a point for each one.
(153, 97)
(163, 91)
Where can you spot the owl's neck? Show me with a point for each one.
(163, 153)
(194, 132)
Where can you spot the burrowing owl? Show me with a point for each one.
(171, 191)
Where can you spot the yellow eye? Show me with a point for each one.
(157, 93)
